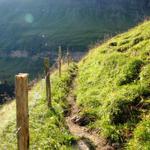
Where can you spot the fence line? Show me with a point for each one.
(22, 88)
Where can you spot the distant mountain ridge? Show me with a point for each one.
(43, 25)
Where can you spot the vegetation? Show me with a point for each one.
(16, 65)
(113, 88)
(6, 92)
(112, 91)
(36, 25)
(141, 136)
(9, 67)
(47, 126)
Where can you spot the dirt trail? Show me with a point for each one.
(89, 140)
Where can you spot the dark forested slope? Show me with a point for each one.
(40, 25)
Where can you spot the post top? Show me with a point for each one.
(22, 75)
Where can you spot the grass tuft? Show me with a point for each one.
(113, 86)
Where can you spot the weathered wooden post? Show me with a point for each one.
(47, 80)
(59, 60)
(21, 85)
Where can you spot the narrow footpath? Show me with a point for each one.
(88, 140)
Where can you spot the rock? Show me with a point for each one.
(73, 119)
(116, 145)
(81, 121)
(107, 148)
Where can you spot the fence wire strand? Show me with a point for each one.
(37, 97)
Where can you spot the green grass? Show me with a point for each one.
(113, 90)
(141, 138)
(113, 86)
(47, 126)
(73, 24)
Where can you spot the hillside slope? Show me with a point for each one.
(47, 126)
(43, 25)
(31, 29)
(113, 88)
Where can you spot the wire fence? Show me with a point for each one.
(37, 96)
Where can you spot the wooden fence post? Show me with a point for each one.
(59, 60)
(48, 83)
(21, 83)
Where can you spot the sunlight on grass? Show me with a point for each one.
(47, 126)
(113, 85)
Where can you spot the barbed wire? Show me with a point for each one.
(37, 97)
(13, 135)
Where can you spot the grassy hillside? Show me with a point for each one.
(113, 88)
(66, 22)
(37, 26)
(47, 126)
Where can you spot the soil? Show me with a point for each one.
(88, 140)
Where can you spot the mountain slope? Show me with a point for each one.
(47, 126)
(32, 29)
(113, 88)
(36, 25)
